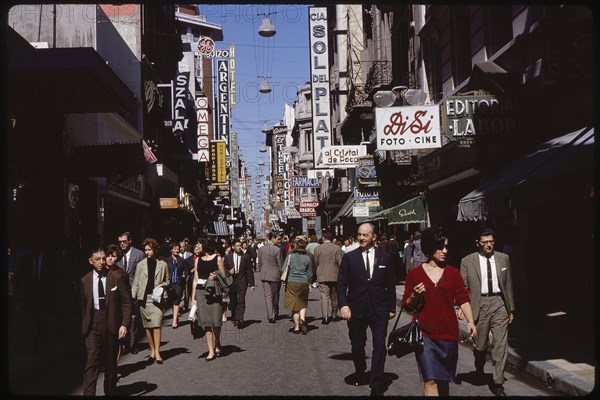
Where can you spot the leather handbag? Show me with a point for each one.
(406, 339)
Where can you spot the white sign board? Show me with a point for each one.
(341, 156)
(407, 128)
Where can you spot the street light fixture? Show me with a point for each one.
(266, 29)
(264, 86)
(266, 127)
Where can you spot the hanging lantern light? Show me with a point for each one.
(263, 148)
(265, 128)
(264, 87)
(266, 29)
(261, 162)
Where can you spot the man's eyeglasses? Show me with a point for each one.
(123, 241)
(486, 241)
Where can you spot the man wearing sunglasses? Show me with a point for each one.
(487, 275)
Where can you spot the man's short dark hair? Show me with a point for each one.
(327, 235)
(126, 234)
(273, 234)
(486, 232)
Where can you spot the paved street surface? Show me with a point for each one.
(267, 359)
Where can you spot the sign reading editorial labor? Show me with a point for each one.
(319, 71)
(341, 157)
(467, 116)
(407, 128)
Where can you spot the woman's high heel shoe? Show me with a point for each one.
(303, 327)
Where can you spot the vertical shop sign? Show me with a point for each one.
(319, 70)
(202, 128)
(218, 160)
(234, 172)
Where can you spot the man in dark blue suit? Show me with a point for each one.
(367, 298)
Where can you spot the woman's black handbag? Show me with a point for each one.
(406, 339)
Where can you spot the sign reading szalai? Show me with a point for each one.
(303, 181)
(218, 162)
(406, 128)
(319, 71)
(202, 128)
(341, 157)
(234, 172)
(180, 122)
(223, 100)
(467, 116)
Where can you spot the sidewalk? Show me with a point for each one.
(570, 379)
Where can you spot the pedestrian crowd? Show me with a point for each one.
(128, 291)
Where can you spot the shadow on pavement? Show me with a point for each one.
(135, 389)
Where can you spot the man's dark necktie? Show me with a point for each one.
(125, 261)
(489, 277)
(101, 295)
(368, 265)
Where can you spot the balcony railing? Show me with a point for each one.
(380, 74)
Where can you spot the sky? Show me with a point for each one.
(283, 58)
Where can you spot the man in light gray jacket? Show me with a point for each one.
(269, 264)
(328, 257)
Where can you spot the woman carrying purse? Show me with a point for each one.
(300, 276)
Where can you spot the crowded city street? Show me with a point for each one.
(300, 200)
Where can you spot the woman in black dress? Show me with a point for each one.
(209, 309)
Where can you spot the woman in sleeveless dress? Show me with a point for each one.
(209, 311)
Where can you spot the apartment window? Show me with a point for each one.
(498, 27)
(433, 64)
(461, 43)
(308, 141)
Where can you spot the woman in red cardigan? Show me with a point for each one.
(432, 289)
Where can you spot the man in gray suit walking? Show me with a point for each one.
(487, 275)
(131, 257)
(328, 257)
(269, 263)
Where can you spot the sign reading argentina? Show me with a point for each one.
(303, 181)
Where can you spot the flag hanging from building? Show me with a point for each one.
(148, 154)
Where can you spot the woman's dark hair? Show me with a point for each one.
(209, 246)
(433, 239)
(113, 248)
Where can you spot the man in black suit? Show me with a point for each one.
(240, 266)
(367, 298)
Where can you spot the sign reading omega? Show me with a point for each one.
(319, 71)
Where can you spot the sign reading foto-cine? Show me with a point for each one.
(406, 128)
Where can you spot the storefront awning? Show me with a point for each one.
(105, 160)
(345, 210)
(67, 80)
(409, 212)
(556, 158)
